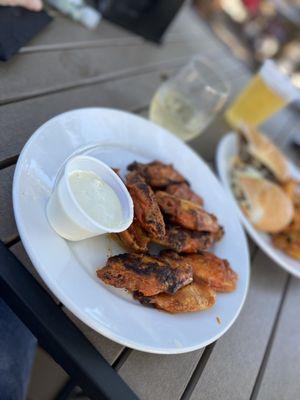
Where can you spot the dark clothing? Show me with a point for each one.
(17, 350)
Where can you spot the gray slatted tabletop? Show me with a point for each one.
(68, 67)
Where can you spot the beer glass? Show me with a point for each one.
(267, 92)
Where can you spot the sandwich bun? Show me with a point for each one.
(265, 151)
(265, 204)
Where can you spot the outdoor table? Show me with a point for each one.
(68, 67)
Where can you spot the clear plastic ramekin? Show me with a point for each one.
(66, 216)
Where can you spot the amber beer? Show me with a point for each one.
(268, 92)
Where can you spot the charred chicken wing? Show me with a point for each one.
(196, 296)
(208, 268)
(187, 214)
(157, 174)
(183, 191)
(146, 208)
(134, 238)
(146, 274)
(187, 241)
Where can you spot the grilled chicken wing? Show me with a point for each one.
(196, 296)
(146, 274)
(186, 241)
(117, 171)
(134, 238)
(157, 174)
(186, 213)
(146, 208)
(207, 267)
(183, 191)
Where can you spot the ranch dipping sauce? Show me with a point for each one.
(88, 199)
(96, 198)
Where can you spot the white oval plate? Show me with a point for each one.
(227, 149)
(69, 268)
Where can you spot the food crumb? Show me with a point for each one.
(218, 320)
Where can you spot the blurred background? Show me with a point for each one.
(255, 30)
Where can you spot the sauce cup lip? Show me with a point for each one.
(128, 204)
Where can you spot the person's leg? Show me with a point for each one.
(17, 350)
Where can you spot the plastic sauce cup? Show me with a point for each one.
(67, 217)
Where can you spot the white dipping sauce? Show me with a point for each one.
(96, 198)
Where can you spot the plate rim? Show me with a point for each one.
(68, 303)
(253, 233)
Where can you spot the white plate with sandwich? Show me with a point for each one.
(69, 268)
(258, 179)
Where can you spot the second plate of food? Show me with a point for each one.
(266, 188)
(74, 270)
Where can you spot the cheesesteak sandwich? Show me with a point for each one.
(257, 174)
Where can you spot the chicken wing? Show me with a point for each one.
(183, 191)
(117, 171)
(157, 174)
(146, 274)
(207, 268)
(146, 208)
(187, 214)
(187, 241)
(196, 296)
(134, 238)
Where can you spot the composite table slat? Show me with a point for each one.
(153, 376)
(280, 379)
(232, 368)
(19, 120)
(27, 75)
(8, 229)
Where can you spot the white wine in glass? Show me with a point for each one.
(188, 102)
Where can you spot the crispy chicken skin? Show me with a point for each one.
(117, 171)
(146, 274)
(186, 241)
(196, 296)
(134, 238)
(146, 208)
(183, 191)
(208, 268)
(157, 174)
(187, 214)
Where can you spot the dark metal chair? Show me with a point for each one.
(57, 334)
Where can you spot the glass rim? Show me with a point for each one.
(212, 70)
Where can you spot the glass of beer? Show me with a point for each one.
(187, 103)
(268, 92)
